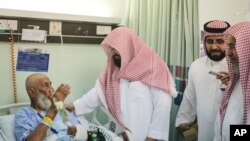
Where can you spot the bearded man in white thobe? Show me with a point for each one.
(202, 94)
(235, 107)
(136, 87)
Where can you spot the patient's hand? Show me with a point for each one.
(72, 130)
(61, 93)
(70, 107)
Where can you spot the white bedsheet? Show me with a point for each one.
(7, 128)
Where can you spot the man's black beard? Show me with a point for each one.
(117, 60)
(216, 58)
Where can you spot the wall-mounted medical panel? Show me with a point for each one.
(53, 31)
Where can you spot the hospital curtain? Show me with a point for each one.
(171, 28)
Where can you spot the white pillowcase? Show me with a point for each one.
(7, 127)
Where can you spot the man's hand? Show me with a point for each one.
(224, 77)
(149, 139)
(61, 93)
(184, 126)
(72, 130)
(70, 107)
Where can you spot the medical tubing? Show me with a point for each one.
(13, 67)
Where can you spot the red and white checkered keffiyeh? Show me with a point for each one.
(214, 25)
(241, 32)
(138, 63)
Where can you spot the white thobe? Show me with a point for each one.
(202, 97)
(145, 110)
(233, 116)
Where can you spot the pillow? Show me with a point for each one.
(7, 127)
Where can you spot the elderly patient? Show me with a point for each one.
(42, 121)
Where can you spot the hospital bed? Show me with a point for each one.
(7, 120)
(100, 117)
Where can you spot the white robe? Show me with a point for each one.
(234, 115)
(145, 110)
(202, 97)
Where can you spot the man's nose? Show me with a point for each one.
(214, 46)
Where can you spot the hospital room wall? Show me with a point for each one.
(75, 64)
(227, 10)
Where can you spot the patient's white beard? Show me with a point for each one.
(43, 101)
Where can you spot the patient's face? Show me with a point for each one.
(43, 101)
(45, 86)
(43, 92)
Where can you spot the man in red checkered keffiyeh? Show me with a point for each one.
(136, 87)
(235, 107)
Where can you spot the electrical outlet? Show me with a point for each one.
(55, 28)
